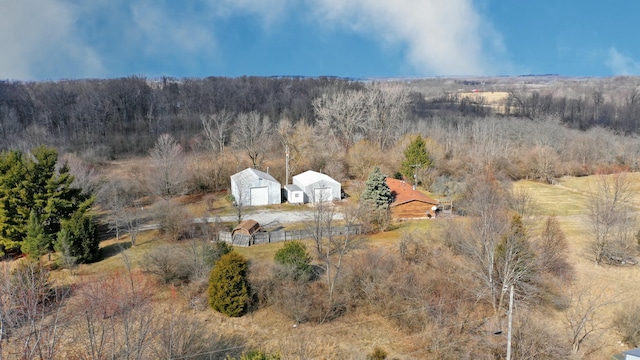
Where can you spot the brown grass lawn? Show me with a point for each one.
(270, 330)
(494, 99)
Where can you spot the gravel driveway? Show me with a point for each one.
(273, 218)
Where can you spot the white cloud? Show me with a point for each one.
(165, 32)
(62, 38)
(621, 64)
(441, 37)
(37, 37)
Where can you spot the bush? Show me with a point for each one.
(78, 238)
(377, 354)
(294, 257)
(174, 220)
(257, 355)
(229, 286)
(627, 323)
(168, 263)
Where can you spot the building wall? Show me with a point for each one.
(412, 209)
(243, 191)
(309, 189)
(295, 196)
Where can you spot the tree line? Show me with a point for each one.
(126, 115)
(115, 117)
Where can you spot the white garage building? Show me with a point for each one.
(317, 186)
(251, 187)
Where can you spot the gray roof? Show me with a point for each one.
(634, 352)
(292, 187)
(249, 174)
(310, 177)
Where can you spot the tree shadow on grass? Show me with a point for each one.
(113, 249)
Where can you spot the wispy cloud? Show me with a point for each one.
(163, 31)
(60, 38)
(621, 64)
(37, 37)
(441, 37)
(268, 10)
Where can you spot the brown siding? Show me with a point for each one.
(412, 209)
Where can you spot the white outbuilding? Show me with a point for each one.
(294, 194)
(251, 187)
(317, 186)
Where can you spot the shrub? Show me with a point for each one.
(257, 355)
(168, 263)
(294, 257)
(78, 238)
(174, 220)
(377, 354)
(229, 286)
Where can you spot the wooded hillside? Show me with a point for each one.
(541, 179)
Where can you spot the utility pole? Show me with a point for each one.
(415, 175)
(286, 176)
(510, 322)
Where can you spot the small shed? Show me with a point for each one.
(251, 187)
(410, 203)
(294, 194)
(317, 187)
(246, 227)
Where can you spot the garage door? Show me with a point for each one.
(259, 196)
(322, 194)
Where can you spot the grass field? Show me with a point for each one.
(567, 200)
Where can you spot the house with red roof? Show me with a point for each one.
(409, 203)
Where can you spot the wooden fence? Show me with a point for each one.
(284, 235)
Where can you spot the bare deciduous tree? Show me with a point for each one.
(542, 164)
(611, 220)
(331, 245)
(344, 114)
(485, 202)
(584, 321)
(388, 108)
(168, 176)
(216, 128)
(515, 263)
(552, 250)
(32, 316)
(124, 213)
(253, 134)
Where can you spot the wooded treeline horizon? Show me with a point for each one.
(546, 127)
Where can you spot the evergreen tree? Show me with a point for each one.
(32, 183)
(37, 242)
(14, 209)
(77, 239)
(415, 155)
(293, 255)
(229, 286)
(376, 190)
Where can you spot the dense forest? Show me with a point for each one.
(116, 117)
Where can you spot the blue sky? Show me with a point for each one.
(61, 39)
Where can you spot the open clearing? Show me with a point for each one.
(270, 330)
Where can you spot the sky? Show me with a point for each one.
(45, 40)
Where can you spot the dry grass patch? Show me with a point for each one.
(555, 200)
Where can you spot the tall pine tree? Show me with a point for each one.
(37, 242)
(32, 183)
(415, 155)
